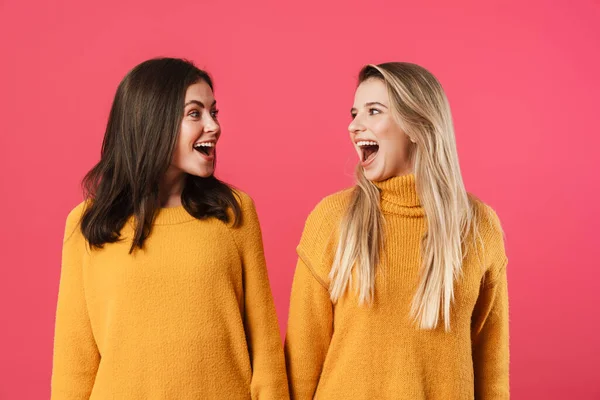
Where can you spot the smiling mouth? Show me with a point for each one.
(206, 148)
(368, 150)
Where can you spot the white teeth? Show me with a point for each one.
(206, 144)
(366, 143)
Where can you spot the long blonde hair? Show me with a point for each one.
(421, 109)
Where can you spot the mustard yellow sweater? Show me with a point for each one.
(346, 351)
(188, 317)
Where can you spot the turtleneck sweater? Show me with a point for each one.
(344, 350)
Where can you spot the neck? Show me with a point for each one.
(171, 188)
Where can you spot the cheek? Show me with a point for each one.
(184, 144)
(384, 136)
(397, 150)
(384, 130)
(188, 133)
(393, 142)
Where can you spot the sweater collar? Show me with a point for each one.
(399, 196)
(172, 216)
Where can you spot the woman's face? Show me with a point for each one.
(382, 147)
(196, 145)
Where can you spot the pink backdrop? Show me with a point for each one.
(522, 78)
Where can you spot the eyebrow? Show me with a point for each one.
(371, 103)
(197, 102)
(375, 103)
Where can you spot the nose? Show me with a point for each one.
(211, 125)
(356, 125)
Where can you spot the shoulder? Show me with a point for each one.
(73, 223)
(330, 209)
(248, 225)
(246, 234)
(324, 219)
(488, 222)
(74, 216)
(247, 205)
(321, 230)
(244, 200)
(490, 235)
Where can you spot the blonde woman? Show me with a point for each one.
(400, 290)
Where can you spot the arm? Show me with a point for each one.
(490, 339)
(310, 327)
(76, 356)
(269, 379)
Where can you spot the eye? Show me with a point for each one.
(374, 111)
(353, 115)
(194, 114)
(214, 114)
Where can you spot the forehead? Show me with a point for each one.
(371, 90)
(199, 91)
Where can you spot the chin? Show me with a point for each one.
(207, 173)
(374, 175)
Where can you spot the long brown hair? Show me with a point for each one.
(142, 130)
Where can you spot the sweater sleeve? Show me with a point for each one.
(310, 327)
(310, 322)
(76, 356)
(269, 380)
(490, 334)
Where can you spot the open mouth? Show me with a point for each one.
(368, 150)
(206, 148)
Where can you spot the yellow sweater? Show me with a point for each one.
(346, 351)
(188, 317)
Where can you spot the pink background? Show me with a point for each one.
(522, 78)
